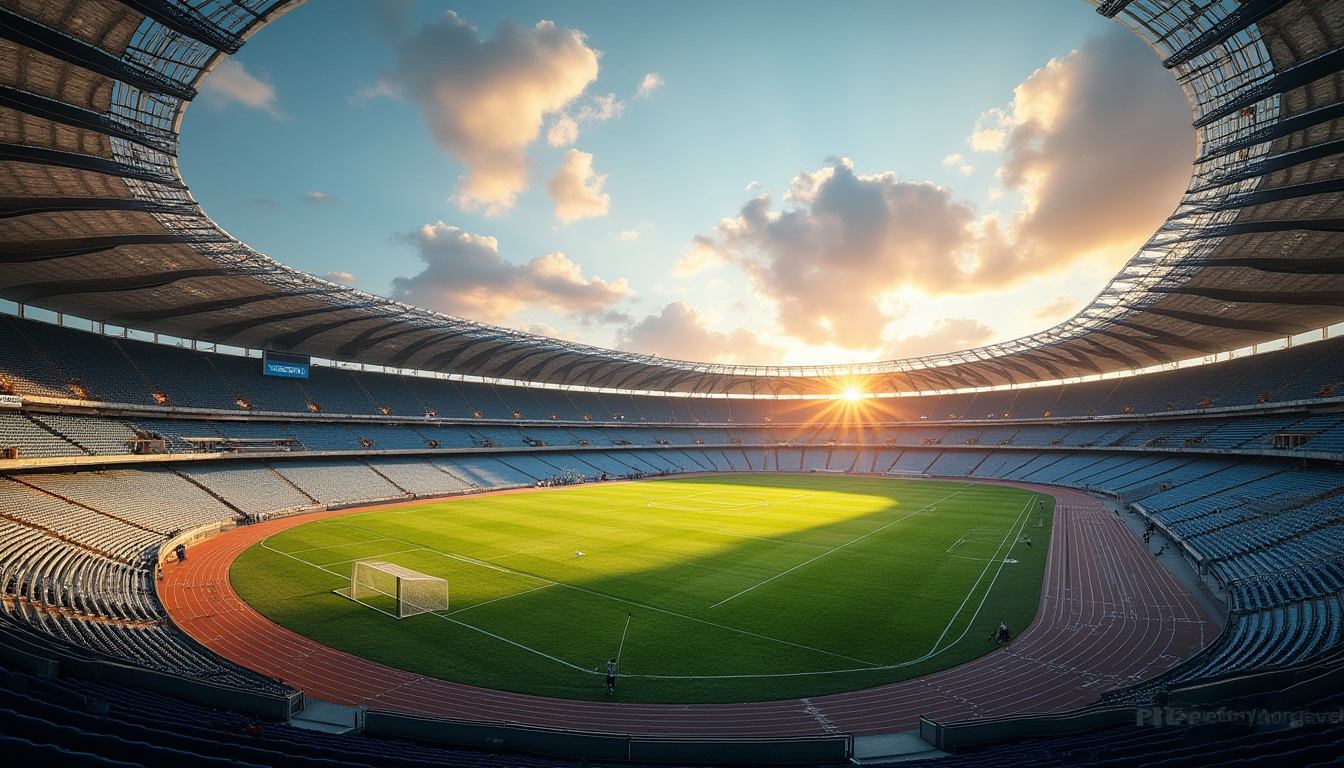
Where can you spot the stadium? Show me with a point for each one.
(172, 403)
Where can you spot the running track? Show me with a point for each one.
(1110, 616)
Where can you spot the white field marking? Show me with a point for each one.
(832, 550)
(656, 609)
(982, 559)
(380, 554)
(935, 651)
(872, 666)
(1013, 533)
(642, 606)
(515, 644)
(369, 605)
(497, 599)
(333, 546)
(443, 616)
(265, 543)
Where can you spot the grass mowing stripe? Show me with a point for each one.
(832, 551)
(642, 606)
(514, 643)
(862, 616)
(443, 616)
(1012, 532)
(497, 599)
(336, 546)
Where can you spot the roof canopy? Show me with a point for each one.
(96, 221)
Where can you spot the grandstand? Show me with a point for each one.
(114, 449)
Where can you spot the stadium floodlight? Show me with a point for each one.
(413, 592)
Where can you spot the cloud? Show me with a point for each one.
(543, 329)
(601, 109)
(628, 235)
(485, 101)
(320, 198)
(991, 131)
(1099, 145)
(830, 262)
(231, 83)
(680, 332)
(383, 88)
(702, 253)
(576, 189)
(465, 275)
(959, 164)
(564, 127)
(344, 278)
(1059, 308)
(648, 85)
(948, 334)
(563, 132)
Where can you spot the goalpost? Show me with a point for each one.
(414, 592)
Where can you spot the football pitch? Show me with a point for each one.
(711, 589)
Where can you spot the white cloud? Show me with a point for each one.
(649, 84)
(1058, 308)
(320, 198)
(564, 128)
(564, 131)
(958, 163)
(576, 189)
(1097, 144)
(465, 275)
(383, 88)
(344, 278)
(830, 261)
(485, 101)
(991, 131)
(681, 332)
(231, 83)
(543, 329)
(628, 235)
(702, 253)
(601, 109)
(948, 334)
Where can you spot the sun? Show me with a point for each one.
(852, 393)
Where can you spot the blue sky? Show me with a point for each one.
(748, 182)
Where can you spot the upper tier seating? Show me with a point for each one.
(43, 360)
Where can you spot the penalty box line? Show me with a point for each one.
(1013, 533)
(641, 606)
(445, 616)
(833, 550)
(1019, 523)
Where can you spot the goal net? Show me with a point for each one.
(373, 582)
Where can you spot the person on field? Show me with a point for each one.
(611, 677)
(1002, 636)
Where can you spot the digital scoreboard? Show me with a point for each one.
(285, 365)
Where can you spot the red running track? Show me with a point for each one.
(1110, 616)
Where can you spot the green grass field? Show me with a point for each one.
(738, 588)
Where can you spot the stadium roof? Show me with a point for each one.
(95, 220)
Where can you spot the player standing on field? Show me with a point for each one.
(611, 676)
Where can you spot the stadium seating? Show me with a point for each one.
(1260, 517)
(46, 361)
